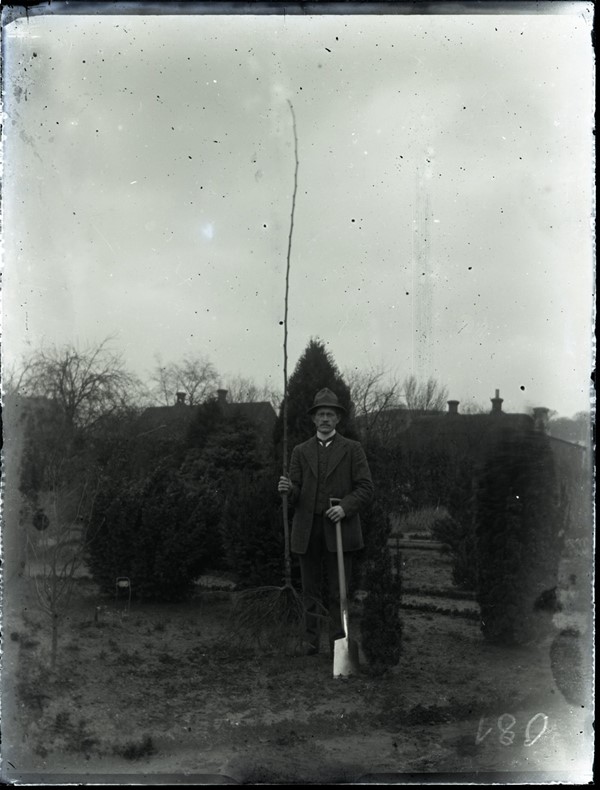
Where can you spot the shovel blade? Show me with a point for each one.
(345, 658)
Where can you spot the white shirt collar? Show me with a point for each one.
(327, 438)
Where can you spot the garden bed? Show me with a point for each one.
(149, 692)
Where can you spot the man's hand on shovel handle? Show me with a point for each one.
(335, 513)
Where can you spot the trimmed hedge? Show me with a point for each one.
(460, 538)
(381, 628)
(518, 527)
(252, 529)
(159, 533)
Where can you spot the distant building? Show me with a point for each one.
(171, 423)
(260, 413)
(471, 436)
(414, 428)
(456, 432)
(168, 422)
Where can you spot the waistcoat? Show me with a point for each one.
(322, 501)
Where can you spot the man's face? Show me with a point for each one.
(325, 420)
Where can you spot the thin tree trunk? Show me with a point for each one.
(288, 561)
(54, 648)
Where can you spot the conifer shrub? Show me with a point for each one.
(391, 477)
(459, 528)
(159, 533)
(459, 537)
(315, 370)
(115, 518)
(381, 628)
(252, 528)
(241, 470)
(519, 535)
(164, 528)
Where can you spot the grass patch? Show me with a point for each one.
(134, 750)
(34, 686)
(419, 522)
(76, 737)
(467, 614)
(127, 658)
(430, 592)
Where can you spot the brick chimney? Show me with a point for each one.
(222, 397)
(541, 416)
(180, 399)
(453, 406)
(497, 403)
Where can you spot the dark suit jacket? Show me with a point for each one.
(348, 478)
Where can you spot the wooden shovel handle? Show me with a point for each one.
(286, 536)
(341, 572)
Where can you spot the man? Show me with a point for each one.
(326, 466)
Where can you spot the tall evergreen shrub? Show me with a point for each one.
(459, 537)
(315, 370)
(518, 528)
(457, 529)
(381, 628)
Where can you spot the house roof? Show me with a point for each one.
(470, 433)
(175, 420)
(469, 423)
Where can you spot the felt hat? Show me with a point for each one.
(326, 399)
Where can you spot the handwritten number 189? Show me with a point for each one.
(536, 727)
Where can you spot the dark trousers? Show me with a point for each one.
(311, 569)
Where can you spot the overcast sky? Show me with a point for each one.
(444, 186)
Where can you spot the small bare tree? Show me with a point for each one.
(72, 401)
(86, 384)
(473, 407)
(59, 551)
(244, 390)
(427, 395)
(12, 378)
(161, 389)
(196, 376)
(373, 395)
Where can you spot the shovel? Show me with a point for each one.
(345, 650)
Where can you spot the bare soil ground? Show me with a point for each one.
(159, 693)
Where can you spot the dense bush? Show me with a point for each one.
(459, 537)
(252, 528)
(381, 628)
(162, 529)
(518, 523)
(391, 477)
(160, 533)
(428, 470)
